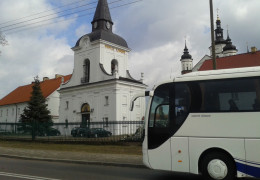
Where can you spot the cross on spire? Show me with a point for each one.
(218, 13)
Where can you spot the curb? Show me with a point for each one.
(75, 161)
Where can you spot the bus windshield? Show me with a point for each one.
(159, 113)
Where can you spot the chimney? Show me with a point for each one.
(45, 78)
(253, 49)
(58, 76)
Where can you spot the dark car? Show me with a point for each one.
(80, 132)
(49, 132)
(53, 132)
(100, 132)
(4, 132)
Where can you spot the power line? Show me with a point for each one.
(80, 16)
(17, 27)
(59, 12)
(41, 12)
(21, 26)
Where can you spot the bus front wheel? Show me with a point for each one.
(218, 166)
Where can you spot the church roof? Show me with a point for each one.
(102, 12)
(107, 36)
(229, 45)
(236, 61)
(186, 54)
(23, 93)
(122, 79)
(102, 26)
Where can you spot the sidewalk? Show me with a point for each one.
(74, 157)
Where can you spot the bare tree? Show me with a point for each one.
(3, 41)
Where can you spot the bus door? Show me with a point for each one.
(158, 136)
(179, 145)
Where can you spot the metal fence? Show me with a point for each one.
(112, 131)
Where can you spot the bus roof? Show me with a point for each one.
(219, 74)
(216, 74)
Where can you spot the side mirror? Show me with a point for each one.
(143, 94)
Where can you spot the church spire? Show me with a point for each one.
(219, 33)
(102, 19)
(186, 54)
(229, 46)
(186, 61)
(102, 27)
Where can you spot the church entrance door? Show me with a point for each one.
(85, 111)
(85, 120)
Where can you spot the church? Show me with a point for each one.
(101, 86)
(226, 55)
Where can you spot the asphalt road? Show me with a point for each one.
(17, 169)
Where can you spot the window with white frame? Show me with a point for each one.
(67, 105)
(105, 121)
(106, 100)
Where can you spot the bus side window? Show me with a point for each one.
(182, 103)
(230, 95)
(256, 103)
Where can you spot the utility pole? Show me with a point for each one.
(212, 35)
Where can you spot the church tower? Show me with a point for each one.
(186, 61)
(229, 49)
(220, 43)
(101, 86)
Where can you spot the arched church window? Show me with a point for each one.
(86, 71)
(85, 108)
(114, 66)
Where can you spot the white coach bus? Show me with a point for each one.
(205, 123)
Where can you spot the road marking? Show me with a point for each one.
(22, 176)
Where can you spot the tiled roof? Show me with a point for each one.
(23, 93)
(236, 61)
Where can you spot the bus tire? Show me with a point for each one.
(218, 166)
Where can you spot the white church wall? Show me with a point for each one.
(53, 102)
(111, 52)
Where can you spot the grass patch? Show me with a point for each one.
(131, 149)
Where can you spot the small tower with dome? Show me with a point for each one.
(229, 49)
(186, 61)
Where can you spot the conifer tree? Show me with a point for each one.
(36, 117)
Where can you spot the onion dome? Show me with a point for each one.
(186, 54)
(229, 45)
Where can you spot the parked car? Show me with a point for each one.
(80, 132)
(100, 132)
(50, 132)
(4, 132)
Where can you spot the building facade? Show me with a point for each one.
(101, 86)
(13, 105)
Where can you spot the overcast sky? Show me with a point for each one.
(155, 30)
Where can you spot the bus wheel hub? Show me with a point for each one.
(217, 169)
